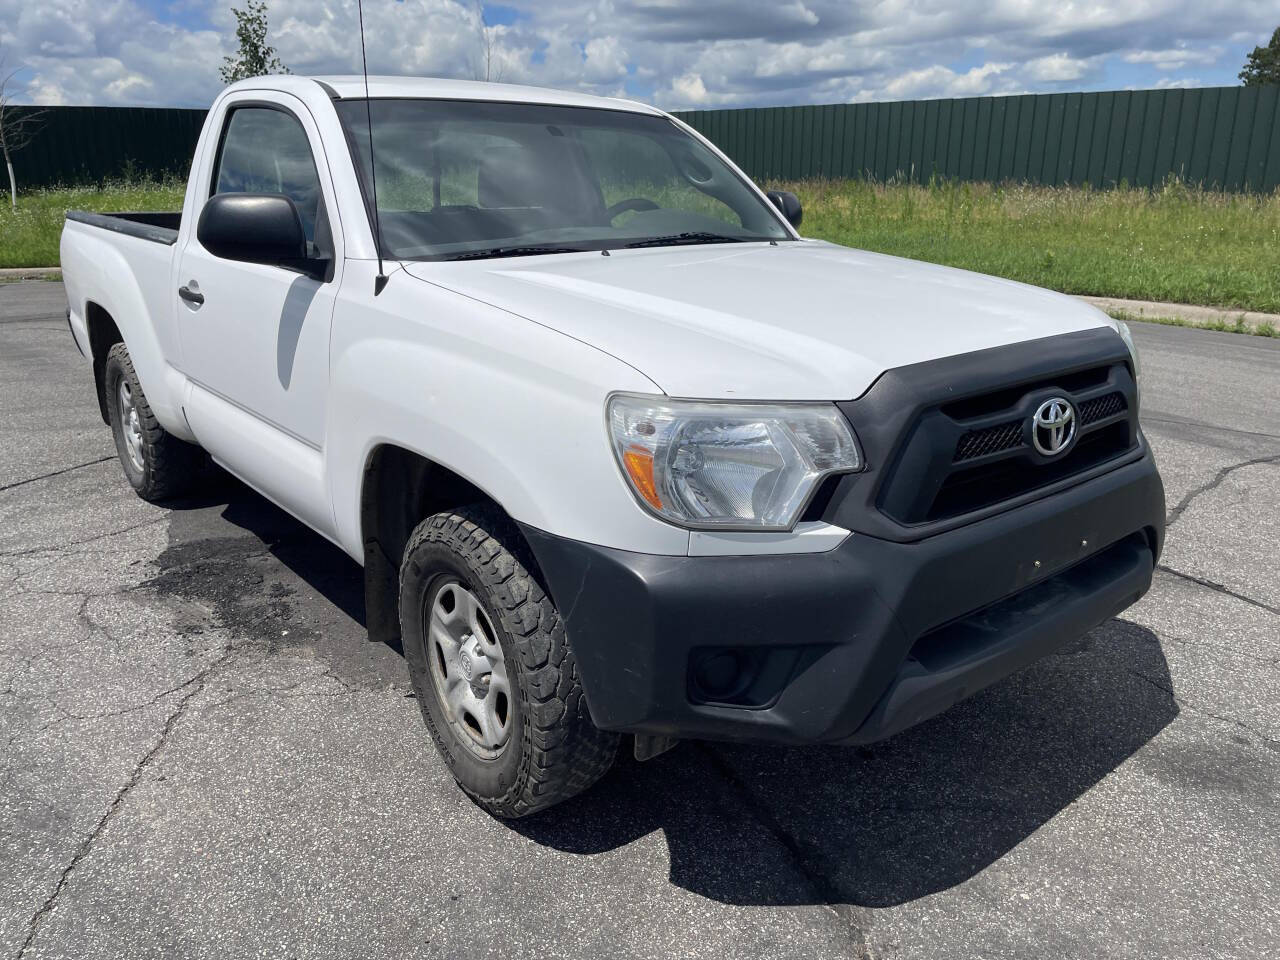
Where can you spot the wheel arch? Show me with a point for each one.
(399, 488)
(104, 334)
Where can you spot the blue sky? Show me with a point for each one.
(676, 53)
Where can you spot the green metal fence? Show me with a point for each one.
(1221, 137)
(76, 145)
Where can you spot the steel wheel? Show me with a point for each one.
(130, 424)
(469, 670)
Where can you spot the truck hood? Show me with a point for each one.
(803, 320)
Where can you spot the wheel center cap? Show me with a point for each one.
(467, 668)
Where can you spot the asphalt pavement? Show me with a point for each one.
(206, 757)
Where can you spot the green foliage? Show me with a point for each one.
(1263, 65)
(1177, 243)
(30, 236)
(255, 58)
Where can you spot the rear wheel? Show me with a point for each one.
(492, 668)
(157, 464)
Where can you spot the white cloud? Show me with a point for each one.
(605, 60)
(1173, 59)
(690, 89)
(1057, 68)
(940, 81)
(1176, 83)
(677, 53)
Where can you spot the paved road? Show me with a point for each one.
(205, 757)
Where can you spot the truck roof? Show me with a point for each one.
(352, 87)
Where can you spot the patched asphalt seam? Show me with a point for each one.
(825, 890)
(1221, 475)
(1218, 588)
(196, 684)
(55, 473)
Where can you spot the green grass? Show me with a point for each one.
(1175, 244)
(29, 238)
(1263, 329)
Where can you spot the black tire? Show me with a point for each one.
(554, 751)
(168, 467)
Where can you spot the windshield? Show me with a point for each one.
(467, 179)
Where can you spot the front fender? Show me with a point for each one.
(514, 408)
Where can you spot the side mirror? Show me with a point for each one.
(789, 204)
(257, 228)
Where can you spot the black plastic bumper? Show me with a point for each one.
(858, 643)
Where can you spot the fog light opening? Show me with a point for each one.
(719, 675)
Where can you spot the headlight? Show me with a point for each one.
(1126, 335)
(728, 465)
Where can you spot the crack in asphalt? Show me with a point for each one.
(197, 684)
(1181, 422)
(55, 473)
(293, 691)
(1217, 647)
(1218, 478)
(1218, 588)
(824, 889)
(1270, 742)
(66, 547)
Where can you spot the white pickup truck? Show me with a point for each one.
(618, 450)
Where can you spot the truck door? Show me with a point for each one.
(255, 337)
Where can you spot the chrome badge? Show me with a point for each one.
(1053, 426)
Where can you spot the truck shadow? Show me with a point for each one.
(750, 825)
(883, 825)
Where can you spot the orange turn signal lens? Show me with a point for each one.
(639, 464)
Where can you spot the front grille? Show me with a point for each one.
(1100, 408)
(980, 443)
(1010, 434)
(982, 486)
(969, 454)
(993, 401)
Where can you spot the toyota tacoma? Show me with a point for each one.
(619, 451)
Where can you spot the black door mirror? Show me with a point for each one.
(789, 204)
(258, 228)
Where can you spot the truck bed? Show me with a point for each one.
(156, 226)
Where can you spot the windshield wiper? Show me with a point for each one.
(513, 252)
(695, 236)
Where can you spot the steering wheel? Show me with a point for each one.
(632, 203)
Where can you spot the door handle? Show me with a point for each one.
(191, 296)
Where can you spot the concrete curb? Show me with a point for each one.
(1192, 316)
(30, 273)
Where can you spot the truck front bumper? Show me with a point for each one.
(858, 643)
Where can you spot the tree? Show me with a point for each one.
(17, 126)
(1263, 65)
(255, 58)
(486, 69)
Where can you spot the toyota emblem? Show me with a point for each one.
(1053, 426)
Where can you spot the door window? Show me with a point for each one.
(266, 151)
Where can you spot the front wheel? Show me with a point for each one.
(492, 669)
